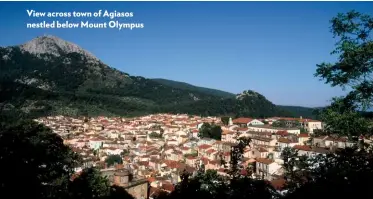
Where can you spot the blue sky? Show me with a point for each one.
(269, 47)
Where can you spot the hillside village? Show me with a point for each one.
(155, 149)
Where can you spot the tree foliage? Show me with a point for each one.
(208, 130)
(225, 120)
(113, 159)
(237, 155)
(89, 184)
(35, 159)
(342, 174)
(341, 118)
(155, 135)
(345, 173)
(355, 50)
(353, 70)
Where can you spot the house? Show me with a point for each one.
(255, 122)
(258, 152)
(182, 138)
(282, 143)
(181, 133)
(263, 141)
(172, 142)
(319, 141)
(311, 125)
(228, 136)
(303, 138)
(185, 150)
(176, 156)
(310, 151)
(329, 141)
(208, 141)
(338, 142)
(245, 122)
(267, 168)
(308, 124)
(202, 149)
(195, 133)
(112, 151)
(242, 130)
(271, 129)
(211, 154)
(227, 146)
(95, 143)
(155, 164)
(191, 160)
(190, 144)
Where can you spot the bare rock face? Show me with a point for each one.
(55, 46)
(247, 93)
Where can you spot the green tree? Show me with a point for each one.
(225, 120)
(113, 159)
(155, 135)
(34, 158)
(295, 168)
(208, 130)
(236, 165)
(303, 130)
(342, 174)
(211, 181)
(279, 123)
(37, 161)
(89, 184)
(353, 70)
(355, 50)
(341, 118)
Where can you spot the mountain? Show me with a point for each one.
(247, 103)
(304, 112)
(49, 76)
(297, 111)
(189, 87)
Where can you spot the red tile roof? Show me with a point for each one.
(303, 147)
(278, 184)
(285, 140)
(303, 135)
(168, 187)
(282, 133)
(242, 120)
(204, 146)
(264, 160)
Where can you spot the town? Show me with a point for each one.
(153, 150)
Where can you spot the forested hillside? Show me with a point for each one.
(49, 76)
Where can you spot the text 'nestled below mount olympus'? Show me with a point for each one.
(100, 19)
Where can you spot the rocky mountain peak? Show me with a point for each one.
(55, 46)
(247, 93)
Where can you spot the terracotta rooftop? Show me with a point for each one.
(264, 160)
(242, 120)
(302, 147)
(303, 135)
